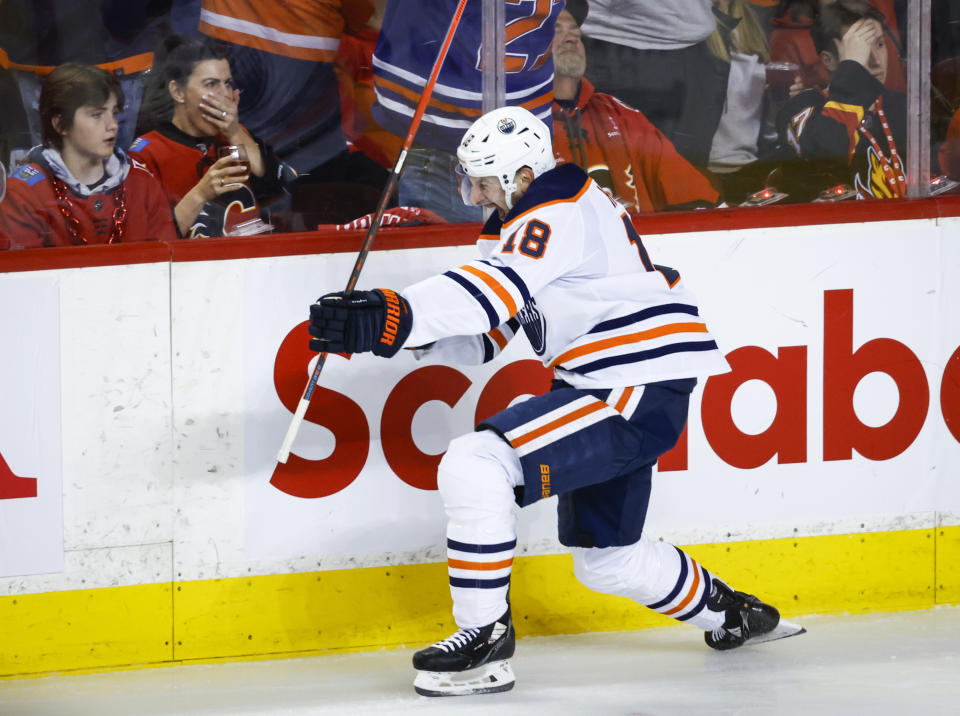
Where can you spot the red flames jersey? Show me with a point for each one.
(623, 152)
(179, 161)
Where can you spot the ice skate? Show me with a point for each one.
(747, 620)
(472, 661)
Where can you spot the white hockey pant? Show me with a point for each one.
(476, 478)
(653, 573)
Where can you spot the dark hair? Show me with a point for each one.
(175, 61)
(68, 88)
(834, 21)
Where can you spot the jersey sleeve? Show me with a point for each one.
(161, 218)
(471, 350)
(831, 131)
(672, 181)
(535, 249)
(22, 220)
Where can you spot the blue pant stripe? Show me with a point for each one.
(479, 583)
(481, 548)
(676, 590)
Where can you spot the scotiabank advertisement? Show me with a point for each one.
(842, 409)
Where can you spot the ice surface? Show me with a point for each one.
(876, 664)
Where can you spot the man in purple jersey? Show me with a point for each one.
(404, 57)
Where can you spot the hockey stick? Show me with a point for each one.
(304, 403)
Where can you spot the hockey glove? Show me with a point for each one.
(360, 321)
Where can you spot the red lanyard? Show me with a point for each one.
(892, 168)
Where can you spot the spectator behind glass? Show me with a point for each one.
(191, 100)
(116, 35)
(78, 188)
(357, 95)
(614, 143)
(407, 48)
(654, 56)
(791, 41)
(746, 135)
(854, 132)
(283, 55)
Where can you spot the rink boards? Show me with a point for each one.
(144, 520)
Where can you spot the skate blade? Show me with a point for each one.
(783, 630)
(487, 679)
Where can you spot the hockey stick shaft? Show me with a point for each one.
(388, 190)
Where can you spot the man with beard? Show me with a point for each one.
(614, 143)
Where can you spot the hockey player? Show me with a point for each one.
(78, 188)
(562, 261)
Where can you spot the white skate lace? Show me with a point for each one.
(461, 638)
(717, 634)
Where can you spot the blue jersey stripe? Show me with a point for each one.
(687, 346)
(514, 278)
(478, 295)
(479, 583)
(481, 548)
(676, 589)
(488, 349)
(643, 315)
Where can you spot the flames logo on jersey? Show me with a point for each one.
(220, 216)
(876, 186)
(534, 326)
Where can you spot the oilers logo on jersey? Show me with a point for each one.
(535, 326)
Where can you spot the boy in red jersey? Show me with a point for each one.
(78, 188)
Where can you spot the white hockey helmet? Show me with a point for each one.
(499, 144)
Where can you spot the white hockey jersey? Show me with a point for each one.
(567, 265)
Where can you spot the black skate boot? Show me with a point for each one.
(472, 661)
(746, 617)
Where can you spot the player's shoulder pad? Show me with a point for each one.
(29, 173)
(139, 144)
(563, 183)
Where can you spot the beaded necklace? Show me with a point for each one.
(66, 206)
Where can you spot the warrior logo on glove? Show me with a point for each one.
(377, 321)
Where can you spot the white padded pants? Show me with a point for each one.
(476, 478)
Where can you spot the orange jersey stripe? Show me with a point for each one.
(297, 17)
(302, 29)
(624, 399)
(127, 66)
(630, 338)
(482, 566)
(693, 590)
(558, 423)
(498, 289)
(498, 337)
